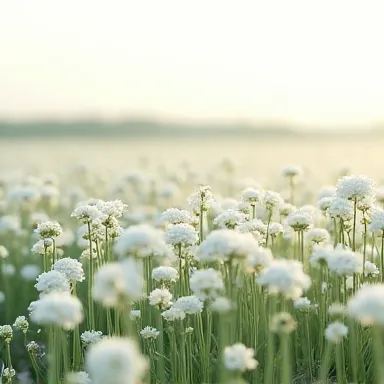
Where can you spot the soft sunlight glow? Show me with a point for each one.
(307, 62)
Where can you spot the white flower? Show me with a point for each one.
(3, 252)
(225, 245)
(135, 314)
(49, 229)
(173, 314)
(291, 171)
(160, 298)
(326, 191)
(239, 358)
(367, 306)
(335, 332)
(324, 203)
(42, 246)
(229, 218)
(206, 283)
(370, 269)
(286, 277)
(181, 234)
(58, 309)
(115, 361)
(221, 305)
(272, 200)
(176, 216)
(201, 199)
(299, 220)
(8, 374)
(317, 236)
(87, 213)
(252, 226)
(302, 303)
(149, 333)
(71, 268)
(189, 304)
(113, 208)
(340, 207)
(117, 281)
(77, 378)
(251, 195)
(6, 333)
(377, 221)
(21, 323)
(282, 323)
(286, 209)
(165, 273)
(345, 262)
(275, 229)
(259, 258)
(320, 254)
(52, 281)
(140, 241)
(355, 187)
(91, 337)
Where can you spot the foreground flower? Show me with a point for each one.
(160, 298)
(355, 187)
(345, 262)
(52, 281)
(335, 332)
(239, 358)
(57, 309)
(71, 268)
(115, 361)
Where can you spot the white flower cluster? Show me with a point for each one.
(77, 378)
(239, 358)
(6, 333)
(345, 262)
(206, 283)
(251, 195)
(176, 216)
(48, 229)
(52, 281)
(229, 218)
(181, 235)
(335, 332)
(190, 305)
(71, 268)
(21, 323)
(300, 220)
(149, 333)
(165, 274)
(201, 199)
(91, 337)
(377, 221)
(160, 298)
(355, 188)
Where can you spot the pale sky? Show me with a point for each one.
(312, 62)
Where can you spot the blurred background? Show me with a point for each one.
(121, 84)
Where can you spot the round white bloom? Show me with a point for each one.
(59, 309)
(115, 361)
(181, 234)
(52, 281)
(317, 236)
(366, 204)
(282, 323)
(189, 304)
(326, 191)
(176, 216)
(77, 378)
(21, 323)
(91, 337)
(165, 273)
(3, 252)
(345, 262)
(113, 208)
(324, 203)
(160, 298)
(229, 218)
(201, 198)
(118, 281)
(252, 226)
(370, 269)
(71, 268)
(135, 314)
(286, 209)
(239, 358)
(302, 303)
(259, 258)
(141, 241)
(377, 221)
(335, 332)
(221, 305)
(49, 229)
(8, 374)
(206, 283)
(291, 171)
(87, 213)
(286, 277)
(272, 200)
(225, 245)
(300, 220)
(355, 187)
(251, 195)
(275, 229)
(367, 306)
(340, 207)
(149, 333)
(320, 254)
(6, 333)
(173, 314)
(42, 246)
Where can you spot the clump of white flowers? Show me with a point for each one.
(206, 283)
(49, 229)
(282, 323)
(87, 213)
(52, 281)
(181, 235)
(251, 195)
(340, 208)
(272, 200)
(355, 187)
(165, 274)
(189, 304)
(42, 247)
(300, 220)
(345, 262)
(91, 337)
(370, 269)
(291, 171)
(160, 298)
(176, 216)
(71, 268)
(8, 374)
(201, 199)
(149, 333)
(259, 258)
(173, 314)
(238, 357)
(229, 218)
(317, 236)
(377, 221)
(21, 323)
(335, 332)
(6, 333)
(302, 303)
(320, 255)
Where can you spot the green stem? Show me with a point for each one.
(286, 370)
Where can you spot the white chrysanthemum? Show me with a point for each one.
(286, 209)
(115, 361)
(160, 298)
(340, 207)
(299, 220)
(272, 200)
(286, 277)
(77, 378)
(302, 303)
(71, 268)
(173, 314)
(49, 229)
(335, 332)
(6, 333)
(337, 309)
(189, 304)
(251, 195)
(221, 305)
(320, 254)
(21, 323)
(176, 216)
(149, 333)
(324, 203)
(201, 198)
(181, 234)
(355, 187)
(42, 246)
(291, 171)
(317, 236)
(239, 358)
(275, 229)
(345, 262)
(91, 337)
(58, 309)
(118, 281)
(206, 283)
(135, 314)
(370, 269)
(140, 241)
(87, 213)
(113, 208)
(225, 245)
(229, 218)
(377, 221)
(367, 306)
(52, 281)
(259, 258)
(3, 252)
(165, 273)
